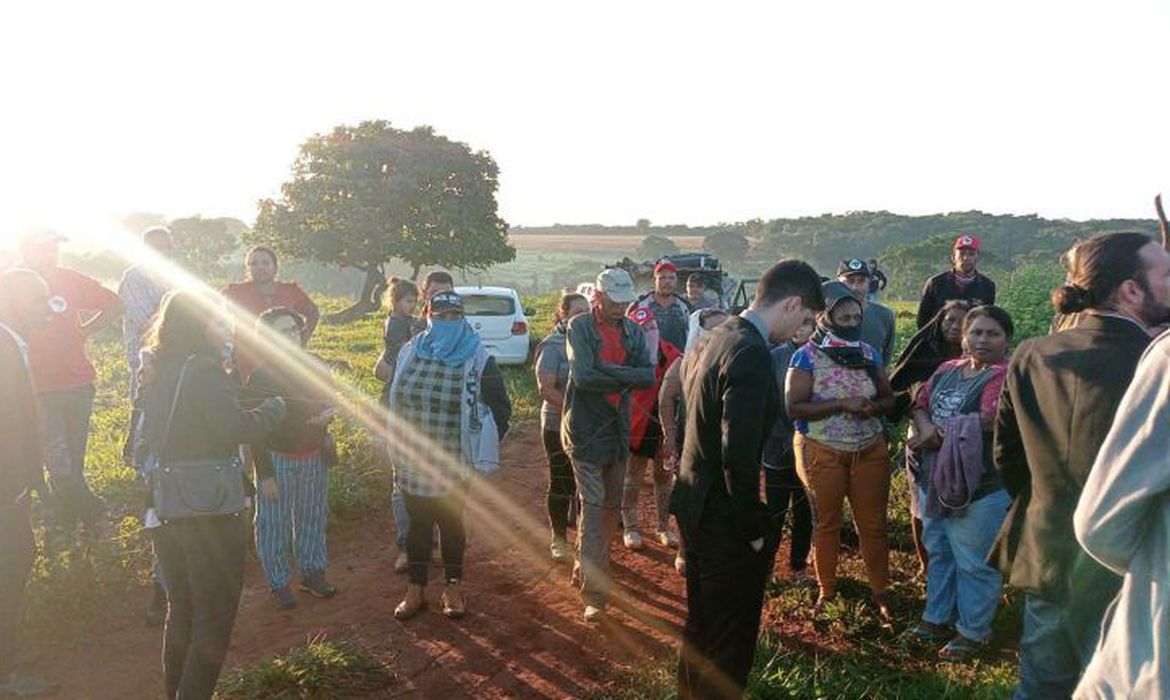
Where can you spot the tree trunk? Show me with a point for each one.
(370, 299)
(414, 272)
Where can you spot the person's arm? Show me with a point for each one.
(927, 307)
(668, 395)
(991, 283)
(107, 304)
(256, 452)
(882, 280)
(1128, 484)
(546, 378)
(307, 308)
(215, 396)
(589, 373)
(883, 402)
(744, 411)
(1008, 446)
(495, 395)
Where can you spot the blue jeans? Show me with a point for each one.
(961, 587)
(1052, 653)
(297, 517)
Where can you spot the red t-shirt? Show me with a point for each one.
(247, 296)
(612, 350)
(56, 352)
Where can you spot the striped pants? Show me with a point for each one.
(296, 519)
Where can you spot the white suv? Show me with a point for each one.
(497, 315)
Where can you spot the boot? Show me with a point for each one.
(412, 603)
(454, 602)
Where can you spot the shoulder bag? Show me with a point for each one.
(195, 488)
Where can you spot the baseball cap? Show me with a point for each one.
(446, 301)
(665, 266)
(853, 266)
(38, 236)
(966, 241)
(616, 284)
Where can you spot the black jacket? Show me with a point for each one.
(1059, 399)
(942, 288)
(209, 422)
(732, 402)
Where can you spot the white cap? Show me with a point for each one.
(616, 284)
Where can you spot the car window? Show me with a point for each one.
(483, 305)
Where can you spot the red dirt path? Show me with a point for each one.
(523, 636)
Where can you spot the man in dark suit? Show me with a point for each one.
(24, 306)
(729, 540)
(1061, 394)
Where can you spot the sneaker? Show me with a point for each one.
(575, 577)
(680, 565)
(156, 611)
(454, 602)
(411, 604)
(666, 538)
(632, 540)
(284, 598)
(401, 563)
(559, 549)
(316, 585)
(594, 613)
(18, 686)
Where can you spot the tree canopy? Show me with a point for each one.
(362, 195)
(654, 247)
(731, 247)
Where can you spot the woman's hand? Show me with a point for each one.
(929, 438)
(857, 405)
(323, 417)
(269, 491)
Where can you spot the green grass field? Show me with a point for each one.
(849, 657)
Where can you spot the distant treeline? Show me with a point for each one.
(909, 248)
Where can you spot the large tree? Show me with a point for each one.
(202, 244)
(362, 195)
(654, 247)
(731, 246)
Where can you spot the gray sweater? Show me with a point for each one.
(1123, 521)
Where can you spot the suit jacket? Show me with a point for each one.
(732, 402)
(1061, 394)
(20, 432)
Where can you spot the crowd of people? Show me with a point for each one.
(1041, 465)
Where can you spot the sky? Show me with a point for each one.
(600, 112)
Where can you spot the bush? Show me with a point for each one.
(319, 669)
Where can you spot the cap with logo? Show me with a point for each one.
(640, 315)
(616, 284)
(853, 266)
(446, 301)
(966, 241)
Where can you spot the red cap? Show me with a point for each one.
(665, 266)
(965, 241)
(640, 315)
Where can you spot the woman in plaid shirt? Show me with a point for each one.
(448, 391)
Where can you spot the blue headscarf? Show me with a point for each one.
(450, 342)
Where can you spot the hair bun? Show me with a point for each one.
(1071, 298)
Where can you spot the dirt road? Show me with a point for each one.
(523, 636)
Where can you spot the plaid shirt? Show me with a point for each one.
(141, 293)
(428, 397)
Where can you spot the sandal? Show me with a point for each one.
(960, 649)
(885, 617)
